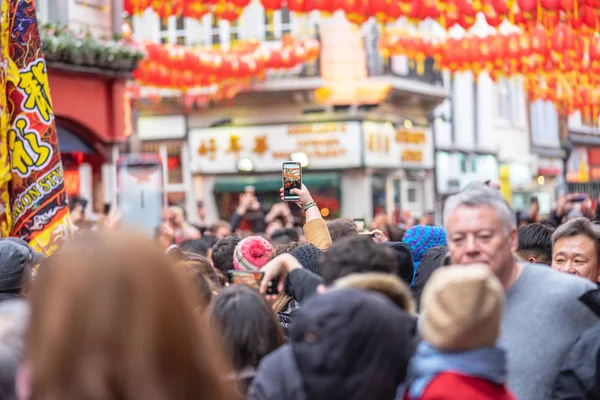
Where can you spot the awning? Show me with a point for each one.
(69, 142)
(272, 183)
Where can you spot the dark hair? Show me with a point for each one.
(248, 327)
(395, 234)
(284, 235)
(578, 226)
(210, 240)
(535, 240)
(356, 254)
(341, 228)
(286, 248)
(196, 246)
(222, 254)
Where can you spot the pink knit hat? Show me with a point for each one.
(252, 253)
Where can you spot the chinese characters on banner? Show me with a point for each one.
(33, 200)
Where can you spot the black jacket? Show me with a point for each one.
(579, 376)
(406, 266)
(344, 345)
(432, 260)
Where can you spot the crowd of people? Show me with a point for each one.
(483, 307)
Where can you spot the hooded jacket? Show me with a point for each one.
(406, 267)
(432, 260)
(579, 376)
(345, 345)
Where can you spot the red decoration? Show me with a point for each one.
(177, 67)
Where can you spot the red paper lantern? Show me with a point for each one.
(271, 5)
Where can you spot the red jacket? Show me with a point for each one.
(454, 386)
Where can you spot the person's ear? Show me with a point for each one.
(514, 239)
(532, 260)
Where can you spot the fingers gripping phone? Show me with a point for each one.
(252, 279)
(292, 179)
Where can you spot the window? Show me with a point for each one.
(511, 106)
(215, 30)
(269, 25)
(543, 124)
(412, 195)
(278, 23)
(503, 96)
(286, 21)
(172, 30)
(234, 31)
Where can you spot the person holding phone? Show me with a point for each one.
(315, 228)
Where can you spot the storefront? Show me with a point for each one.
(354, 169)
(455, 170)
(89, 118)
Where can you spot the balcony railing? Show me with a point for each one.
(398, 66)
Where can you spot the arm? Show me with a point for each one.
(240, 211)
(315, 227)
(236, 218)
(304, 284)
(580, 370)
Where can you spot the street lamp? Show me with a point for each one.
(245, 165)
(302, 158)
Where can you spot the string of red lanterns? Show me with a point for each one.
(181, 68)
(562, 66)
(526, 14)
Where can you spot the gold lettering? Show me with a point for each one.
(34, 83)
(412, 156)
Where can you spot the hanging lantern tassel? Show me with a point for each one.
(420, 64)
(271, 19)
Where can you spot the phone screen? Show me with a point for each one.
(140, 193)
(292, 179)
(252, 279)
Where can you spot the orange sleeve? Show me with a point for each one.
(316, 233)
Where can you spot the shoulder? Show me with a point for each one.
(579, 371)
(464, 387)
(557, 283)
(587, 348)
(277, 377)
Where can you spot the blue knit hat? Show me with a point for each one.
(421, 238)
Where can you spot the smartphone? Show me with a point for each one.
(579, 198)
(370, 234)
(106, 208)
(360, 224)
(292, 179)
(252, 279)
(140, 195)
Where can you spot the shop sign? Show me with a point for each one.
(162, 127)
(549, 166)
(330, 145)
(389, 147)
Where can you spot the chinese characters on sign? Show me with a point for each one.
(326, 145)
(28, 152)
(34, 84)
(33, 198)
(389, 147)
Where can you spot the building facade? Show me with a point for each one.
(87, 100)
(361, 159)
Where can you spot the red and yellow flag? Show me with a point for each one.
(33, 200)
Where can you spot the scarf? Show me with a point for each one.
(488, 363)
